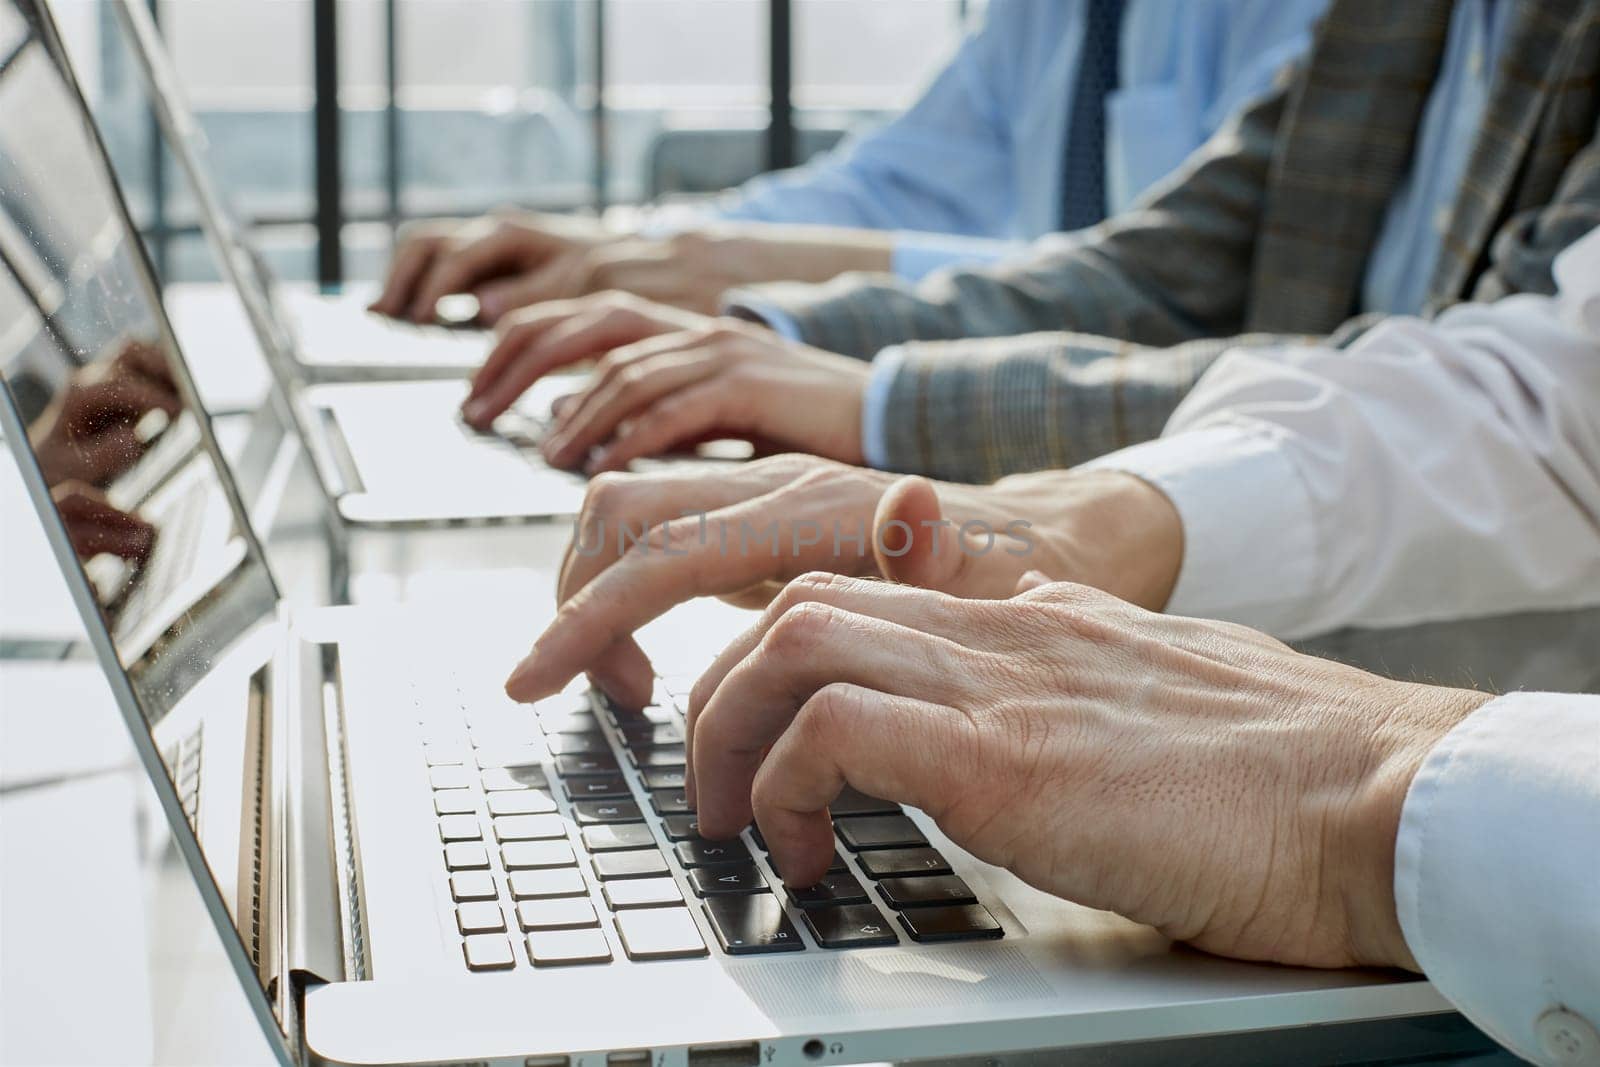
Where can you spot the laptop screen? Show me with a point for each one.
(101, 412)
(86, 353)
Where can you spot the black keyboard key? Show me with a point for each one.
(971, 922)
(657, 757)
(618, 837)
(598, 787)
(681, 827)
(579, 745)
(671, 802)
(832, 891)
(855, 802)
(756, 923)
(536, 855)
(855, 926)
(521, 802)
(659, 778)
(591, 812)
(577, 722)
(547, 885)
(529, 828)
(521, 776)
(472, 885)
(650, 735)
(944, 890)
(577, 766)
(641, 893)
(488, 952)
(655, 714)
(698, 852)
(727, 881)
(660, 934)
(902, 863)
(562, 948)
(614, 866)
(459, 828)
(863, 832)
(466, 856)
(571, 913)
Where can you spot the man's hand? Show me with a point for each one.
(506, 261)
(727, 379)
(693, 270)
(535, 341)
(647, 542)
(1196, 776)
(517, 260)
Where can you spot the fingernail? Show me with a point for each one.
(474, 410)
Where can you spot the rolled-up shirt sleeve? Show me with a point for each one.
(1443, 469)
(1497, 873)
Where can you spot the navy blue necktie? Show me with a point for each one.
(1083, 178)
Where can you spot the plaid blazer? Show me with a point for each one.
(1263, 236)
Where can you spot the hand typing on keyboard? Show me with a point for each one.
(757, 525)
(1193, 775)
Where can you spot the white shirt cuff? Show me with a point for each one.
(1497, 872)
(875, 407)
(917, 255)
(1249, 538)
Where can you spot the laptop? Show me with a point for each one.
(405, 867)
(386, 441)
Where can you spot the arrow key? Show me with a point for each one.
(852, 926)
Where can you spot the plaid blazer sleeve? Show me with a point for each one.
(976, 411)
(1174, 268)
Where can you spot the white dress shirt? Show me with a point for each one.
(1497, 873)
(1433, 470)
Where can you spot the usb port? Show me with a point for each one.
(547, 1061)
(747, 1054)
(636, 1058)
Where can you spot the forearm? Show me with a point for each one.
(979, 410)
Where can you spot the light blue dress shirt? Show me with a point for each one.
(1408, 247)
(972, 171)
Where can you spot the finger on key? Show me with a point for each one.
(917, 609)
(885, 745)
(810, 648)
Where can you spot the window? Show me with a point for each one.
(454, 107)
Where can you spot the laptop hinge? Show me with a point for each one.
(312, 941)
(343, 474)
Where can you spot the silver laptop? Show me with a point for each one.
(386, 452)
(405, 867)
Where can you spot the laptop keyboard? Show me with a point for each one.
(567, 840)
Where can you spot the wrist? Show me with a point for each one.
(1107, 529)
(1359, 850)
